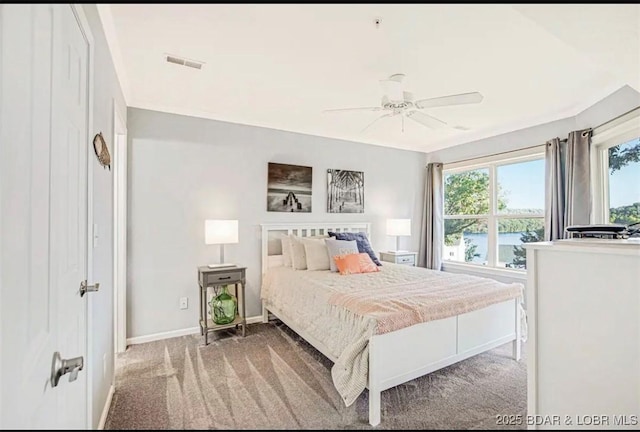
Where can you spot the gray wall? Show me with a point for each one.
(106, 92)
(183, 170)
(614, 105)
(516, 140)
(617, 103)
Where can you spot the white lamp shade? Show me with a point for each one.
(220, 231)
(399, 227)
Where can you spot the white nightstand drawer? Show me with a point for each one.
(407, 259)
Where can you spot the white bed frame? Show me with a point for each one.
(432, 345)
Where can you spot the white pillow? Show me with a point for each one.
(317, 254)
(298, 254)
(286, 250)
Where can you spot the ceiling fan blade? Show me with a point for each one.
(458, 99)
(354, 109)
(371, 124)
(426, 120)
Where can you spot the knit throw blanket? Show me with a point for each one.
(344, 311)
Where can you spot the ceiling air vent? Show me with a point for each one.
(184, 62)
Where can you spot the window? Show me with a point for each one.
(492, 208)
(617, 171)
(624, 182)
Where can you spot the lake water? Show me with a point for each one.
(480, 239)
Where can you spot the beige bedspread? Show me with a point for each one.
(344, 311)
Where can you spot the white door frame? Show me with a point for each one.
(119, 230)
(86, 30)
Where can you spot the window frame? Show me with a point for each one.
(491, 164)
(616, 132)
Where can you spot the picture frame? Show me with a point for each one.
(345, 191)
(289, 188)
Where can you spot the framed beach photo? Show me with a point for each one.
(289, 188)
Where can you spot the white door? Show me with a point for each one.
(43, 204)
(69, 207)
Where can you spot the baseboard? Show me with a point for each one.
(105, 410)
(177, 333)
(164, 335)
(254, 319)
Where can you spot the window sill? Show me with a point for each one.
(483, 270)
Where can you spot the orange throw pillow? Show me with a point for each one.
(355, 263)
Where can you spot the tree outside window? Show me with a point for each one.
(624, 182)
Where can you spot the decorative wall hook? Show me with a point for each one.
(102, 151)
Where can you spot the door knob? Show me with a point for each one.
(60, 366)
(84, 288)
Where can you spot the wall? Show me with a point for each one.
(507, 142)
(106, 93)
(619, 102)
(614, 105)
(183, 170)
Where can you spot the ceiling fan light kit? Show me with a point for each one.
(398, 102)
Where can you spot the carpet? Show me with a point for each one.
(273, 379)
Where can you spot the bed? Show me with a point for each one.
(355, 320)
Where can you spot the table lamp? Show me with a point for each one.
(398, 227)
(220, 232)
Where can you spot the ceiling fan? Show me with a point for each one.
(397, 102)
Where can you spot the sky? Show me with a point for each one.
(523, 184)
(624, 185)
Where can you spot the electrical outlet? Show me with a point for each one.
(184, 302)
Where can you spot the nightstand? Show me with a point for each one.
(401, 257)
(215, 277)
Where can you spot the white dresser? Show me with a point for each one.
(583, 347)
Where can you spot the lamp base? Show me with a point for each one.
(223, 265)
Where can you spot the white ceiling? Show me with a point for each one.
(280, 66)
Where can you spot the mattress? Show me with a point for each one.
(344, 311)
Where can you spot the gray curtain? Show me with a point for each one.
(554, 190)
(567, 183)
(578, 178)
(432, 233)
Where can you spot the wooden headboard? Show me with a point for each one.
(271, 234)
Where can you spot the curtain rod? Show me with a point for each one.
(616, 118)
(541, 145)
(494, 154)
(590, 130)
